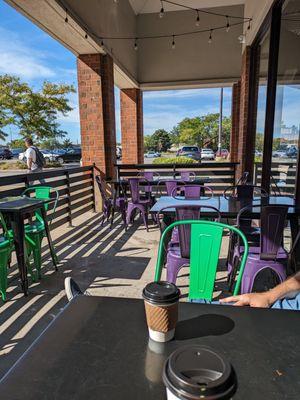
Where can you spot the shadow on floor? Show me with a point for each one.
(96, 257)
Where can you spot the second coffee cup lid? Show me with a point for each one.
(197, 372)
(164, 292)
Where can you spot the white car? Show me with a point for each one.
(48, 156)
(207, 154)
(279, 153)
(152, 154)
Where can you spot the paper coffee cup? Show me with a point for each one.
(195, 372)
(161, 306)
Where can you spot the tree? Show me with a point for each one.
(159, 141)
(204, 131)
(17, 144)
(50, 144)
(67, 144)
(35, 113)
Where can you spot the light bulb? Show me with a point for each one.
(197, 19)
(135, 46)
(210, 38)
(227, 24)
(173, 43)
(162, 12)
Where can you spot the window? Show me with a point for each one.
(287, 107)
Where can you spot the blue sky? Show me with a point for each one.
(34, 56)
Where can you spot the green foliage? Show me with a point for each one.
(34, 112)
(67, 144)
(174, 160)
(50, 144)
(17, 144)
(4, 165)
(159, 141)
(203, 131)
(259, 143)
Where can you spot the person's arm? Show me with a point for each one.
(29, 159)
(287, 288)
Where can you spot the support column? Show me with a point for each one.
(132, 126)
(235, 121)
(97, 111)
(248, 110)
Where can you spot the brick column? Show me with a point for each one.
(248, 109)
(132, 126)
(235, 122)
(97, 111)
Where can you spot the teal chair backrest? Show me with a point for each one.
(3, 227)
(43, 193)
(206, 241)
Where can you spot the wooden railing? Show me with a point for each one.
(220, 174)
(283, 175)
(74, 185)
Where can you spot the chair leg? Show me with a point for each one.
(145, 218)
(3, 279)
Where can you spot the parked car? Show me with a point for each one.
(207, 154)
(69, 155)
(224, 153)
(5, 154)
(16, 152)
(49, 155)
(152, 154)
(258, 153)
(292, 152)
(189, 151)
(279, 154)
(119, 153)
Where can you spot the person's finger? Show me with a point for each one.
(240, 303)
(230, 299)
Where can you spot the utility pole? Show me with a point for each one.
(220, 123)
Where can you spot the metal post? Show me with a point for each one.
(220, 123)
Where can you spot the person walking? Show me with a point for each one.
(34, 159)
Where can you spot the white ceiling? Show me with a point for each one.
(152, 6)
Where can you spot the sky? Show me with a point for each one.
(34, 56)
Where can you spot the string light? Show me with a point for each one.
(187, 33)
(227, 25)
(173, 43)
(197, 19)
(162, 11)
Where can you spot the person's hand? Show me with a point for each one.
(249, 299)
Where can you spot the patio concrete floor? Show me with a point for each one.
(105, 262)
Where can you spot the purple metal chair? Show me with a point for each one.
(243, 179)
(189, 192)
(186, 176)
(269, 254)
(192, 192)
(178, 254)
(170, 185)
(138, 201)
(244, 192)
(148, 189)
(108, 207)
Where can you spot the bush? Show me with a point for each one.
(52, 164)
(12, 165)
(174, 160)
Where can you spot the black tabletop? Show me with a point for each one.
(98, 348)
(229, 208)
(19, 204)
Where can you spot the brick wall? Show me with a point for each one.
(97, 111)
(235, 121)
(132, 126)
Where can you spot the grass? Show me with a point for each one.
(16, 165)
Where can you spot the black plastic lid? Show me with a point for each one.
(161, 292)
(194, 372)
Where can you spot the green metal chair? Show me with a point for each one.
(6, 247)
(35, 231)
(206, 240)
